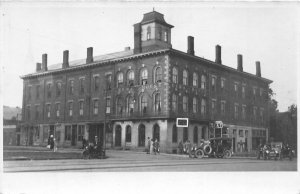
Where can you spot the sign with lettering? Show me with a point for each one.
(219, 124)
(182, 122)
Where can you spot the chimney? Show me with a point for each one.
(44, 62)
(65, 59)
(137, 38)
(89, 55)
(191, 45)
(240, 62)
(38, 67)
(218, 54)
(258, 73)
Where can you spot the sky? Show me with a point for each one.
(265, 32)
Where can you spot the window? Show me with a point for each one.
(243, 92)
(158, 75)
(261, 91)
(143, 104)
(175, 75)
(80, 132)
(71, 87)
(157, 105)
(68, 133)
(28, 112)
(37, 112)
(29, 92)
(37, 91)
(261, 115)
(81, 85)
(159, 34)
(195, 106)
(241, 133)
(130, 78)
(119, 106)
(203, 107)
(236, 111)
(223, 83)
(128, 134)
(223, 108)
(185, 77)
(195, 79)
(244, 112)
(185, 103)
(254, 92)
(119, 79)
(70, 108)
(203, 82)
(166, 36)
(174, 134)
(144, 76)
(58, 89)
(130, 104)
(108, 82)
(107, 105)
(48, 109)
(148, 33)
(213, 106)
(213, 83)
(174, 102)
(96, 83)
(81, 108)
(57, 109)
(254, 112)
(236, 89)
(96, 106)
(49, 90)
(195, 138)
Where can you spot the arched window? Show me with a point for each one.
(157, 104)
(119, 106)
(195, 105)
(119, 79)
(175, 75)
(195, 79)
(174, 134)
(174, 102)
(185, 77)
(185, 103)
(141, 135)
(130, 105)
(130, 78)
(143, 104)
(203, 107)
(203, 82)
(158, 74)
(128, 134)
(195, 135)
(144, 76)
(118, 135)
(156, 132)
(148, 33)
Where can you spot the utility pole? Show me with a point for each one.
(104, 128)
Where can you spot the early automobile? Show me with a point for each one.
(215, 147)
(271, 151)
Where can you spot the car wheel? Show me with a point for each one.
(199, 154)
(227, 154)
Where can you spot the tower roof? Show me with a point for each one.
(155, 16)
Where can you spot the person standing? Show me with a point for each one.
(148, 145)
(189, 148)
(51, 142)
(151, 146)
(156, 146)
(180, 147)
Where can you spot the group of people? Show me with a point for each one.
(153, 146)
(51, 143)
(185, 148)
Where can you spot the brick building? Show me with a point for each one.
(140, 92)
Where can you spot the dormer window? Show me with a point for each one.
(148, 33)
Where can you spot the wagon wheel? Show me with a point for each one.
(227, 154)
(199, 153)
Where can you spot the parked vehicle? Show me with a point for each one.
(271, 151)
(93, 151)
(215, 147)
(287, 152)
(260, 152)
